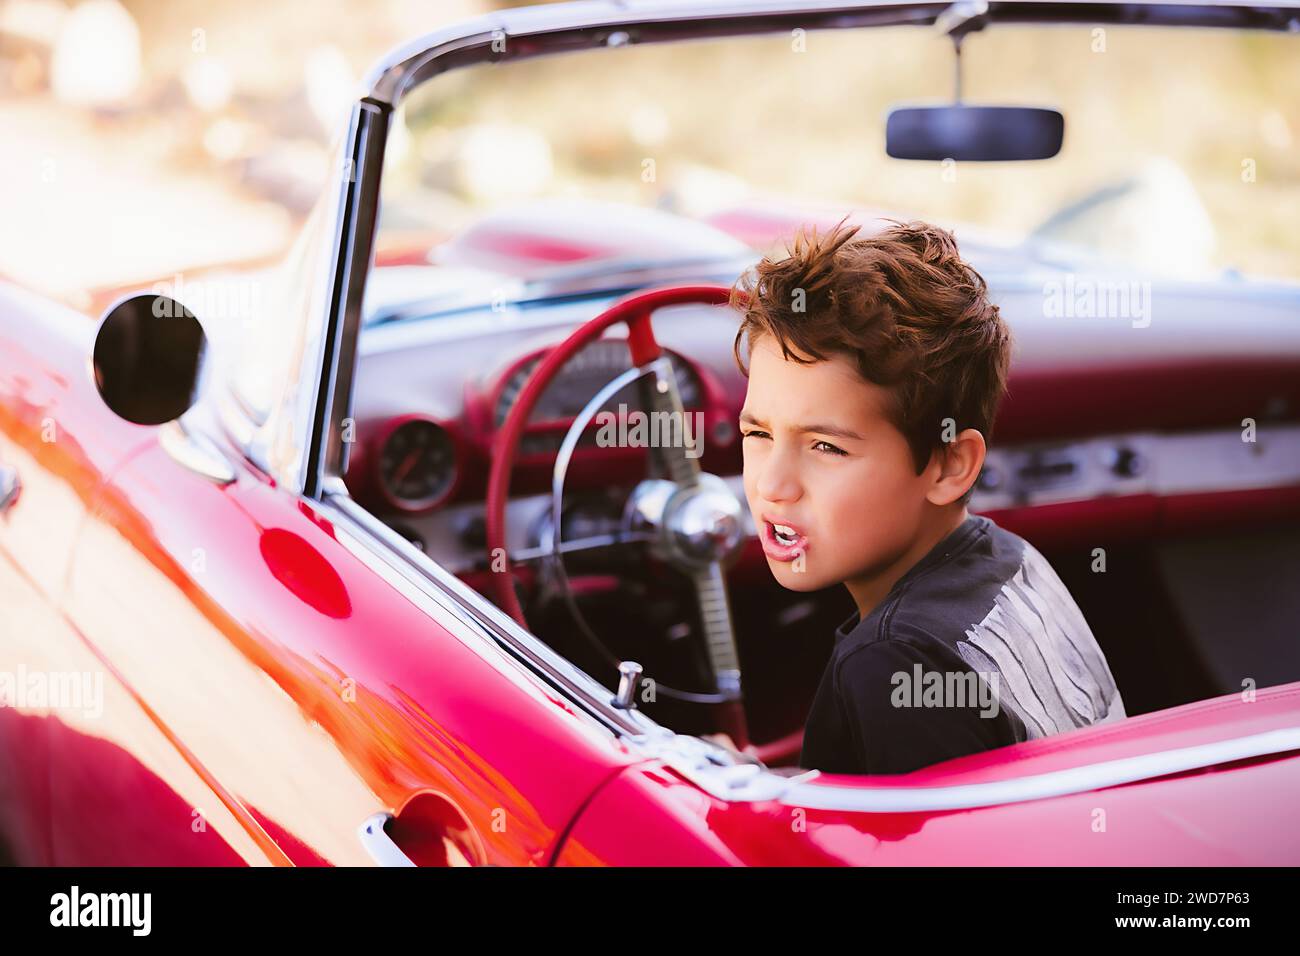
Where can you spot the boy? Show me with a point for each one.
(876, 368)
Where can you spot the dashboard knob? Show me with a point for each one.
(1124, 462)
(629, 675)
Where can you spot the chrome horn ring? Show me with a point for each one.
(695, 527)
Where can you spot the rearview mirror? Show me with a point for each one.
(148, 358)
(974, 133)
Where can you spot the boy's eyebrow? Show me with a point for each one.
(815, 427)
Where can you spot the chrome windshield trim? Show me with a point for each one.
(327, 451)
(551, 28)
(279, 442)
(306, 453)
(566, 27)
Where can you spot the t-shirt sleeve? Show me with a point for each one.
(911, 703)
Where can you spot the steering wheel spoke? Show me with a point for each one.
(665, 399)
(596, 542)
(719, 632)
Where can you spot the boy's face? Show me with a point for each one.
(823, 458)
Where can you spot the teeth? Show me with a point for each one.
(784, 533)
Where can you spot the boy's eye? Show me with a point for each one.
(824, 447)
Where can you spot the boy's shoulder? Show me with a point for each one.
(946, 592)
(986, 600)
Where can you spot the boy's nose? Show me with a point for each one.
(779, 480)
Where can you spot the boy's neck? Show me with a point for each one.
(867, 592)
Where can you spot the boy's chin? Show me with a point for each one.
(795, 579)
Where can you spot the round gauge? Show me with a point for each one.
(583, 376)
(417, 464)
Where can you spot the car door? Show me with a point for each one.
(307, 690)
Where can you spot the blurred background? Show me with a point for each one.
(147, 137)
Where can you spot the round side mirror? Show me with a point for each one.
(148, 359)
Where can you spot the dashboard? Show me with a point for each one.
(418, 459)
(431, 396)
(584, 375)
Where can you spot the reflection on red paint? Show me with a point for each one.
(308, 576)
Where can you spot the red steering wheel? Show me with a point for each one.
(695, 500)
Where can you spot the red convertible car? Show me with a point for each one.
(351, 579)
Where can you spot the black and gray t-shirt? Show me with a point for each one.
(977, 646)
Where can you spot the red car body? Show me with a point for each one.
(274, 685)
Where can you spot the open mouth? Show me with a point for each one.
(783, 541)
(784, 534)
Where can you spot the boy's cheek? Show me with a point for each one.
(853, 522)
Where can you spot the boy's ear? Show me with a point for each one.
(960, 461)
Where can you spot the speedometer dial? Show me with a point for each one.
(417, 464)
(584, 375)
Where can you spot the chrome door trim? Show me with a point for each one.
(1056, 783)
(377, 842)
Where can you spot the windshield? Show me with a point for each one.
(1179, 156)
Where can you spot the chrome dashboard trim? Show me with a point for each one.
(1173, 463)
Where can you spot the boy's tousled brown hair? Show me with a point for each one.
(902, 304)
